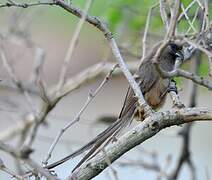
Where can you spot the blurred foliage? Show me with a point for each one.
(125, 18)
(204, 67)
(130, 16)
(133, 13)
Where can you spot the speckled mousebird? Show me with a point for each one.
(154, 89)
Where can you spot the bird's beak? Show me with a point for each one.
(179, 55)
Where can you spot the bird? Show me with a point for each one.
(154, 89)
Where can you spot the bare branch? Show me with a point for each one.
(193, 20)
(38, 65)
(185, 132)
(9, 171)
(108, 35)
(146, 30)
(164, 14)
(205, 23)
(188, 19)
(24, 5)
(77, 118)
(187, 9)
(148, 128)
(15, 80)
(152, 124)
(72, 46)
(101, 26)
(87, 76)
(24, 155)
(188, 75)
(169, 35)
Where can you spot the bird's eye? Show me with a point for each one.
(176, 50)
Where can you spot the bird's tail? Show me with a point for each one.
(104, 137)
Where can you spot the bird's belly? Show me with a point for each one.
(156, 96)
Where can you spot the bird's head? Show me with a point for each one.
(175, 50)
(171, 55)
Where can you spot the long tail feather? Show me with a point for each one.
(97, 140)
(107, 135)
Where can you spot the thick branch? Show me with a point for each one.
(150, 127)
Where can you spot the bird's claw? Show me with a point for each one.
(179, 105)
(173, 87)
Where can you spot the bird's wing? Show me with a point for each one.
(147, 76)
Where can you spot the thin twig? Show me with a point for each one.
(72, 46)
(188, 75)
(198, 46)
(205, 23)
(38, 65)
(108, 35)
(188, 19)
(164, 14)
(86, 76)
(188, 8)
(24, 155)
(15, 80)
(77, 118)
(170, 34)
(128, 75)
(49, 104)
(193, 20)
(146, 31)
(185, 132)
(9, 171)
(25, 5)
(173, 21)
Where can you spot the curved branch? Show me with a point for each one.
(188, 75)
(81, 79)
(108, 35)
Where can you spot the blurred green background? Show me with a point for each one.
(51, 28)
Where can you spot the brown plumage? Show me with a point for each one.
(154, 89)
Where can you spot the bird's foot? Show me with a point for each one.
(179, 105)
(173, 87)
(174, 95)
